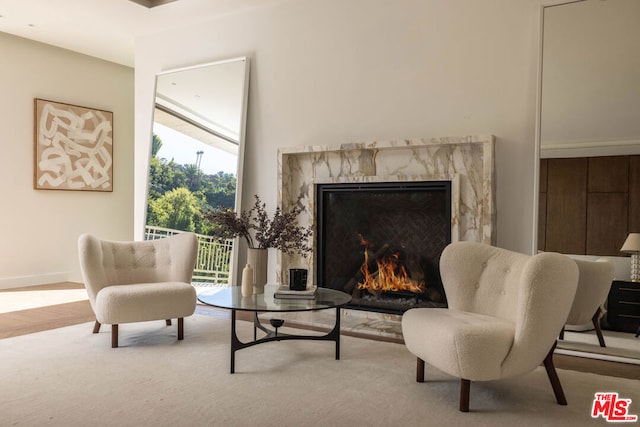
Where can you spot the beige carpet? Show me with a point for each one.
(69, 377)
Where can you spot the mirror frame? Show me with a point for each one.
(241, 140)
(538, 136)
(623, 145)
(538, 122)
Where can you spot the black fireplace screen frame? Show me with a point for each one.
(323, 191)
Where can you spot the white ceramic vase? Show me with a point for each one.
(258, 259)
(247, 281)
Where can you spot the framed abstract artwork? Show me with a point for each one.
(73, 147)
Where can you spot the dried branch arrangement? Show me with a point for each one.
(281, 232)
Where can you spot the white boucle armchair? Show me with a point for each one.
(139, 281)
(594, 283)
(505, 311)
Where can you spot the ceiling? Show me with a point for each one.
(107, 29)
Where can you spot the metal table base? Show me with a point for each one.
(236, 344)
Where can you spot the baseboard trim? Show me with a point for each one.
(42, 279)
(597, 356)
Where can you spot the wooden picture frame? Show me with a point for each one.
(73, 147)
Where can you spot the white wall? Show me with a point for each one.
(40, 228)
(340, 71)
(591, 83)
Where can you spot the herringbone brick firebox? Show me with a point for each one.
(381, 242)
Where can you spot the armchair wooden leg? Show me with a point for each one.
(420, 371)
(596, 324)
(96, 327)
(553, 377)
(465, 387)
(562, 333)
(168, 322)
(114, 336)
(180, 328)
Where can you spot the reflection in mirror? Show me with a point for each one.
(196, 159)
(590, 79)
(589, 144)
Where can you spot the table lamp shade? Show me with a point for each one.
(632, 246)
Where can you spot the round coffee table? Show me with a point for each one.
(231, 298)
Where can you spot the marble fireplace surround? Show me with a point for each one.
(466, 161)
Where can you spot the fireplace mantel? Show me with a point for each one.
(466, 161)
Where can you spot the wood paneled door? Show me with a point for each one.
(588, 205)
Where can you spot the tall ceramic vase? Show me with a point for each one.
(258, 258)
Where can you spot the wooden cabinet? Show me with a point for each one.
(623, 306)
(607, 218)
(588, 205)
(566, 206)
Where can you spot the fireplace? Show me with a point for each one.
(467, 162)
(381, 242)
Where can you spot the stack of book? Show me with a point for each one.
(284, 292)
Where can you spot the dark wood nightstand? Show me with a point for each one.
(623, 307)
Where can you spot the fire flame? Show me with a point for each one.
(389, 276)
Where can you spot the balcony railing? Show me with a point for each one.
(214, 256)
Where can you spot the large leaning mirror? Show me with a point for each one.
(197, 158)
(589, 146)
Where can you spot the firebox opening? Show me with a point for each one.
(381, 242)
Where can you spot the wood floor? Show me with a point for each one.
(28, 321)
(38, 319)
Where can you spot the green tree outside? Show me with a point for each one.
(177, 209)
(180, 195)
(156, 144)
